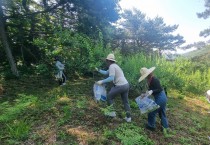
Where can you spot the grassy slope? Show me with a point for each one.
(69, 115)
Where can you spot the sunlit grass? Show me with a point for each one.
(70, 115)
(82, 135)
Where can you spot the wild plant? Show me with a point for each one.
(18, 130)
(66, 115)
(81, 103)
(107, 109)
(130, 134)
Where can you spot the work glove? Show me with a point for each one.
(143, 95)
(149, 92)
(99, 82)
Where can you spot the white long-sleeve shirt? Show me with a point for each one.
(59, 65)
(116, 72)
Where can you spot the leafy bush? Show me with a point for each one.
(42, 69)
(79, 53)
(7, 74)
(180, 74)
(131, 67)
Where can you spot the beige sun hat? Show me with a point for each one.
(145, 72)
(111, 57)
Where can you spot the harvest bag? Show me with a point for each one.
(146, 104)
(99, 92)
(59, 75)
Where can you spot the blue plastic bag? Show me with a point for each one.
(146, 104)
(99, 92)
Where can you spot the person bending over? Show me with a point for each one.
(121, 85)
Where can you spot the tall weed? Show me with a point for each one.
(18, 130)
(179, 74)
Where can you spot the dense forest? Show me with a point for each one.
(35, 110)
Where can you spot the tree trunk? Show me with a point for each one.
(5, 43)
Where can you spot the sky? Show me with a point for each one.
(181, 12)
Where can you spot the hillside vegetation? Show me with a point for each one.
(37, 111)
(34, 110)
(203, 53)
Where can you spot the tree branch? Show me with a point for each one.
(49, 9)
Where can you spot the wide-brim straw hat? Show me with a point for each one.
(145, 72)
(111, 57)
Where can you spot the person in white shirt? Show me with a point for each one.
(60, 74)
(121, 85)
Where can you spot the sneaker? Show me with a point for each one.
(149, 127)
(127, 119)
(63, 84)
(111, 114)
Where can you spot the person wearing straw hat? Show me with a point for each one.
(121, 85)
(160, 98)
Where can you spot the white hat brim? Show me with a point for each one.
(110, 59)
(146, 74)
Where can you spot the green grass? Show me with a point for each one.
(37, 111)
(18, 130)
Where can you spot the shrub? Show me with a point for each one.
(179, 74)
